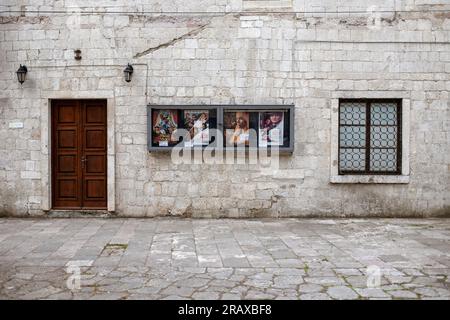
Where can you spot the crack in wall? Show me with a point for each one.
(173, 41)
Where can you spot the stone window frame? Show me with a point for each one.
(404, 175)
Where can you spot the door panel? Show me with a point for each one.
(95, 114)
(67, 113)
(67, 163)
(67, 138)
(95, 139)
(66, 154)
(68, 188)
(94, 152)
(95, 189)
(79, 154)
(95, 164)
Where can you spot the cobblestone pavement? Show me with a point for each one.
(225, 259)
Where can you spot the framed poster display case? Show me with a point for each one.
(248, 126)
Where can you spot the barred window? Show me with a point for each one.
(369, 136)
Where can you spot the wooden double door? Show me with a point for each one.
(79, 154)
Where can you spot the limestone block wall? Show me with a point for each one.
(299, 52)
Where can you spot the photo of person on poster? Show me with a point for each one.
(237, 128)
(164, 125)
(271, 127)
(197, 123)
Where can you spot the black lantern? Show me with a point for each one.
(21, 73)
(128, 72)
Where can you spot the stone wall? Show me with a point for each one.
(227, 52)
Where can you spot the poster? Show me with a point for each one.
(237, 128)
(197, 124)
(271, 127)
(164, 125)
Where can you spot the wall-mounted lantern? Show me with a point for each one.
(22, 73)
(128, 71)
(77, 54)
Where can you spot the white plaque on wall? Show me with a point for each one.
(16, 125)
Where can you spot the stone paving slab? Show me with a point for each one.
(167, 258)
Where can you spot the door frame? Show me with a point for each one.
(82, 151)
(46, 147)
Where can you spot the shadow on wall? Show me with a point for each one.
(441, 213)
(7, 197)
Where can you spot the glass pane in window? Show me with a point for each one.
(383, 159)
(383, 113)
(352, 113)
(352, 159)
(352, 136)
(383, 137)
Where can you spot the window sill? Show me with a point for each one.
(400, 179)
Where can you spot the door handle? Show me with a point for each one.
(83, 161)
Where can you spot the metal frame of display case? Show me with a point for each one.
(220, 109)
